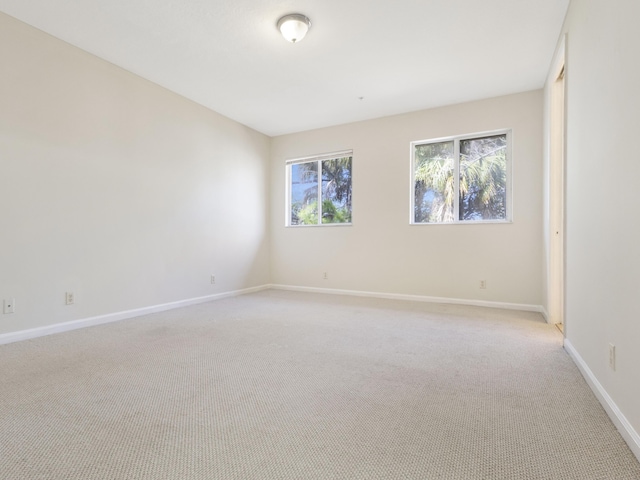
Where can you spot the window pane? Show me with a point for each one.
(336, 190)
(304, 193)
(483, 178)
(434, 186)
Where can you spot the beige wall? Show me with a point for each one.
(603, 233)
(116, 189)
(381, 252)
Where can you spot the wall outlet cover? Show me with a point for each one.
(9, 305)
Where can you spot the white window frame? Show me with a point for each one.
(456, 145)
(319, 159)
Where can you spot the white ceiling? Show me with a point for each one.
(401, 55)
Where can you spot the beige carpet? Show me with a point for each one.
(281, 385)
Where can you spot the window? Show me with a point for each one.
(319, 190)
(462, 179)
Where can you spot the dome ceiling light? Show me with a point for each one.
(294, 27)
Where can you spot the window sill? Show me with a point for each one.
(321, 225)
(485, 222)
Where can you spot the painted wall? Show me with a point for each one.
(115, 189)
(602, 229)
(381, 252)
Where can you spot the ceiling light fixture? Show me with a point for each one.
(294, 27)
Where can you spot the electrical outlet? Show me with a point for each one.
(213, 279)
(483, 284)
(612, 356)
(9, 305)
(325, 276)
(69, 298)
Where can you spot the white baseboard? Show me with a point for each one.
(114, 317)
(617, 417)
(413, 298)
(545, 314)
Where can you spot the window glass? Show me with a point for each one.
(336, 190)
(483, 178)
(320, 190)
(304, 193)
(434, 183)
(462, 179)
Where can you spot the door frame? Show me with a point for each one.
(556, 268)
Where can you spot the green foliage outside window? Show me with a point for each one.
(334, 191)
(481, 171)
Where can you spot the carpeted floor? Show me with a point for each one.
(283, 385)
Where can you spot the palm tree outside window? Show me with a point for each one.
(320, 190)
(462, 179)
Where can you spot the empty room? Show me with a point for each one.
(249, 239)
